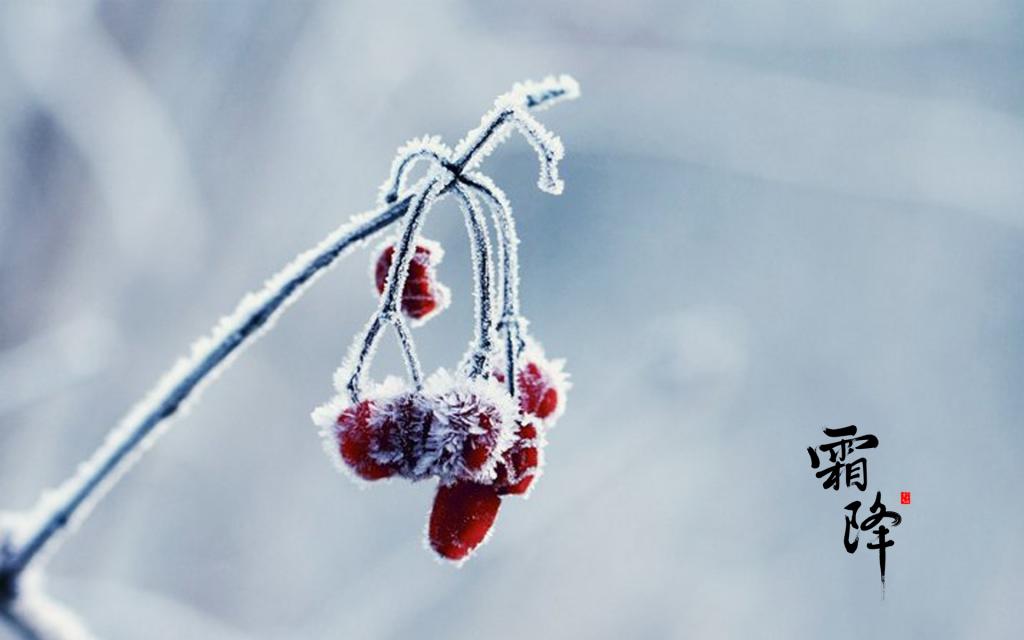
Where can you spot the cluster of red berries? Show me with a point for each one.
(464, 511)
(466, 433)
(452, 429)
(469, 433)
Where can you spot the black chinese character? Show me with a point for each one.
(856, 470)
(878, 513)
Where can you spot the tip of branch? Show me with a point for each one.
(541, 95)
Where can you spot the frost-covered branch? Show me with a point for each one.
(425, 148)
(37, 616)
(452, 168)
(495, 127)
(508, 255)
(478, 358)
(24, 535)
(388, 309)
(439, 181)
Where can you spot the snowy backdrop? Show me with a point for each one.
(778, 216)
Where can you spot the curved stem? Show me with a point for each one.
(412, 363)
(369, 343)
(399, 271)
(409, 155)
(508, 240)
(508, 253)
(483, 269)
(388, 309)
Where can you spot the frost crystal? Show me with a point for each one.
(541, 95)
(425, 148)
(473, 416)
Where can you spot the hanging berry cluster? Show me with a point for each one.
(480, 429)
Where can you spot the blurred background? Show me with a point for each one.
(778, 216)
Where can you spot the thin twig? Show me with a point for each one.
(508, 255)
(388, 309)
(478, 359)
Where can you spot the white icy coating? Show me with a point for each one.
(511, 107)
(448, 166)
(38, 616)
(456, 401)
(548, 147)
(510, 323)
(477, 357)
(446, 172)
(437, 422)
(423, 435)
(508, 239)
(496, 125)
(441, 293)
(540, 95)
(365, 343)
(424, 148)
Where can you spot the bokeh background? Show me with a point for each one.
(778, 216)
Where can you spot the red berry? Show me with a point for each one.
(475, 454)
(519, 463)
(421, 295)
(537, 393)
(473, 428)
(479, 443)
(400, 429)
(462, 515)
(355, 442)
(527, 432)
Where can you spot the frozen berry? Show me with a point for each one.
(479, 442)
(537, 392)
(474, 422)
(356, 440)
(519, 463)
(462, 515)
(401, 429)
(422, 295)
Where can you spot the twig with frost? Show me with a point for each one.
(510, 322)
(23, 536)
(480, 439)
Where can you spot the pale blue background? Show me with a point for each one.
(778, 216)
